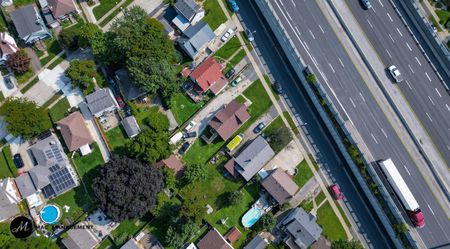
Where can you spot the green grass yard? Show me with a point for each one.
(274, 128)
(327, 219)
(128, 228)
(105, 6)
(444, 16)
(289, 119)
(303, 175)
(117, 139)
(7, 166)
(113, 14)
(235, 59)
(53, 48)
(227, 50)
(200, 152)
(183, 107)
(24, 77)
(86, 165)
(58, 111)
(214, 14)
(106, 244)
(78, 201)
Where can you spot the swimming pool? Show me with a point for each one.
(251, 217)
(50, 214)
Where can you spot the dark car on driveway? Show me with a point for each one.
(18, 161)
(183, 148)
(189, 134)
(120, 102)
(230, 73)
(8, 82)
(259, 128)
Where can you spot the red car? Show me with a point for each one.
(337, 194)
(120, 102)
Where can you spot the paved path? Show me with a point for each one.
(87, 10)
(306, 191)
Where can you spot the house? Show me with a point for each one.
(300, 229)
(143, 240)
(190, 11)
(213, 240)
(280, 186)
(29, 24)
(61, 9)
(75, 133)
(196, 38)
(168, 29)
(9, 197)
(131, 126)
(52, 173)
(209, 76)
(251, 160)
(233, 235)
(101, 101)
(128, 89)
(8, 46)
(257, 242)
(80, 239)
(131, 244)
(172, 162)
(227, 121)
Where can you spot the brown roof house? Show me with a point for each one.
(227, 121)
(280, 186)
(233, 235)
(75, 133)
(172, 162)
(213, 240)
(56, 10)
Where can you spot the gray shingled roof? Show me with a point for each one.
(302, 227)
(24, 19)
(129, 90)
(257, 243)
(131, 244)
(253, 158)
(188, 8)
(131, 126)
(80, 239)
(25, 185)
(7, 209)
(196, 37)
(100, 100)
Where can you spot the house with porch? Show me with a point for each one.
(188, 12)
(195, 39)
(75, 133)
(29, 24)
(299, 230)
(208, 77)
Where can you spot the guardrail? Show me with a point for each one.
(294, 57)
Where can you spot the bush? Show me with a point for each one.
(234, 197)
(19, 62)
(194, 172)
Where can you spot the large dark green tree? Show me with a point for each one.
(149, 146)
(126, 188)
(195, 172)
(23, 117)
(266, 223)
(81, 73)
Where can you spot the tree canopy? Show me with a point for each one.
(8, 241)
(157, 120)
(19, 61)
(194, 172)
(81, 73)
(234, 197)
(23, 117)
(344, 244)
(81, 36)
(126, 188)
(150, 146)
(267, 222)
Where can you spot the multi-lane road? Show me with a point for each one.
(366, 223)
(421, 87)
(320, 47)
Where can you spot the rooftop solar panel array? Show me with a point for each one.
(61, 180)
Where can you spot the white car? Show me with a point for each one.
(227, 35)
(190, 126)
(395, 73)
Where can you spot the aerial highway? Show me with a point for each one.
(421, 87)
(367, 224)
(320, 47)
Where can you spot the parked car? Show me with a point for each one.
(249, 35)
(259, 128)
(366, 4)
(337, 194)
(307, 71)
(233, 5)
(190, 126)
(395, 73)
(236, 81)
(120, 102)
(227, 35)
(18, 161)
(230, 73)
(183, 148)
(189, 134)
(8, 82)
(277, 87)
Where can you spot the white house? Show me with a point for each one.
(9, 197)
(188, 12)
(8, 46)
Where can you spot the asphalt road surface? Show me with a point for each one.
(421, 86)
(320, 48)
(328, 155)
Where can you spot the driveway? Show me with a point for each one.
(287, 159)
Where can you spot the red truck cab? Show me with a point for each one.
(417, 218)
(337, 194)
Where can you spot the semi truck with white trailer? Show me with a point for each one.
(404, 194)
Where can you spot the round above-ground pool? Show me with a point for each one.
(50, 214)
(251, 217)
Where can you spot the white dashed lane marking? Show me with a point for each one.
(410, 68)
(410, 49)
(332, 69)
(398, 30)
(417, 59)
(389, 54)
(374, 139)
(407, 83)
(353, 103)
(431, 100)
(440, 96)
(390, 36)
(428, 115)
(312, 34)
(428, 76)
(370, 24)
(342, 64)
(430, 209)
(321, 29)
(390, 18)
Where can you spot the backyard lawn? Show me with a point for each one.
(128, 228)
(214, 14)
(277, 129)
(7, 167)
(78, 201)
(327, 219)
(53, 48)
(227, 50)
(235, 60)
(106, 244)
(183, 107)
(86, 165)
(58, 111)
(116, 139)
(200, 152)
(303, 174)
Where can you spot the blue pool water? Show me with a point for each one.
(50, 214)
(251, 217)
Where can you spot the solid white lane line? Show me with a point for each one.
(381, 3)
(374, 139)
(312, 34)
(289, 16)
(417, 59)
(323, 32)
(353, 103)
(398, 30)
(390, 18)
(430, 209)
(410, 49)
(410, 68)
(384, 133)
(293, 3)
(431, 100)
(342, 64)
(448, 108)
(332, 69)
(298, 31)
(440, 96)
(370, 24)
(428, 76)
(390, 36)
(407, 83)
(428, 115)
(407, 171)
(362, 97)
(389, 54)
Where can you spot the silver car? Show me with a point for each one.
(395, 73)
